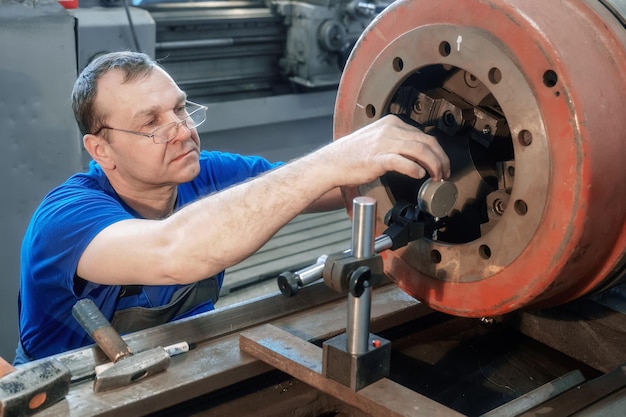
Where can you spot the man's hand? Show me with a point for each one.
(388, 144)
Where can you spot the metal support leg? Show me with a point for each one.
(357, 358)
(359, 307)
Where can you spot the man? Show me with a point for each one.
(147, 232)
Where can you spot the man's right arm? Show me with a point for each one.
(223, 229)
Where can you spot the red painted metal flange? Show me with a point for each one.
(557, 70)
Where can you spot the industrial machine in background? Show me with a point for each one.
(266, 69)
(228, 50)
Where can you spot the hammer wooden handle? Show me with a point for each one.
(98, 327)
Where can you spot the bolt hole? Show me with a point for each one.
(521, 207)
(435, 256)
(138, 376)
(511, 171)
(444, 48)
(495, 75)
(471, 80)
(37, 400)
(417, 107)
(484, 252)
(550, 78)
(525, 137)
(448, 118)
(398, 64)
(370, 111)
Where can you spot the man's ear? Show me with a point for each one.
(99, 149)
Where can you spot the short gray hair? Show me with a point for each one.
(133, 65)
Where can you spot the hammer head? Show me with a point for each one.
(32, 387)
(132, 369)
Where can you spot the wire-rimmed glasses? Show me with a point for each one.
(196, 115)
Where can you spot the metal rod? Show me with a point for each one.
(363, 220)
(216, 42)
(358, 329)
(312, 273)
(359, 308)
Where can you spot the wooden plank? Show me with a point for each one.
(303, 360)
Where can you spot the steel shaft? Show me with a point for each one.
(359, 308)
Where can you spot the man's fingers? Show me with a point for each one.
(424, 149)
(424, 153)
(403, 165)
(442, 162)
(388, 144)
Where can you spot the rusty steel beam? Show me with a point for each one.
(579, 400)
(303, 360)
(217, 361)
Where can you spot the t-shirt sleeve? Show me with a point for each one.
(62, 227)
(223, 170)
(220, 170)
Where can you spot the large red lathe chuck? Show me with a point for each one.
(528, 99)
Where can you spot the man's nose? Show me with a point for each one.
(182, 131)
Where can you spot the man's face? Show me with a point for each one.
(143, 105)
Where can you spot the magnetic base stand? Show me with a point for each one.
(356, 370)
(355, 364)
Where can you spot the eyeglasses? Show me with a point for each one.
(167, 132)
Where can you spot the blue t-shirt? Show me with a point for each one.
(68, 218)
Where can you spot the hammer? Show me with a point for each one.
(127, 367)
(33, 386)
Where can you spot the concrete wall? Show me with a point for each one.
(40, 146)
